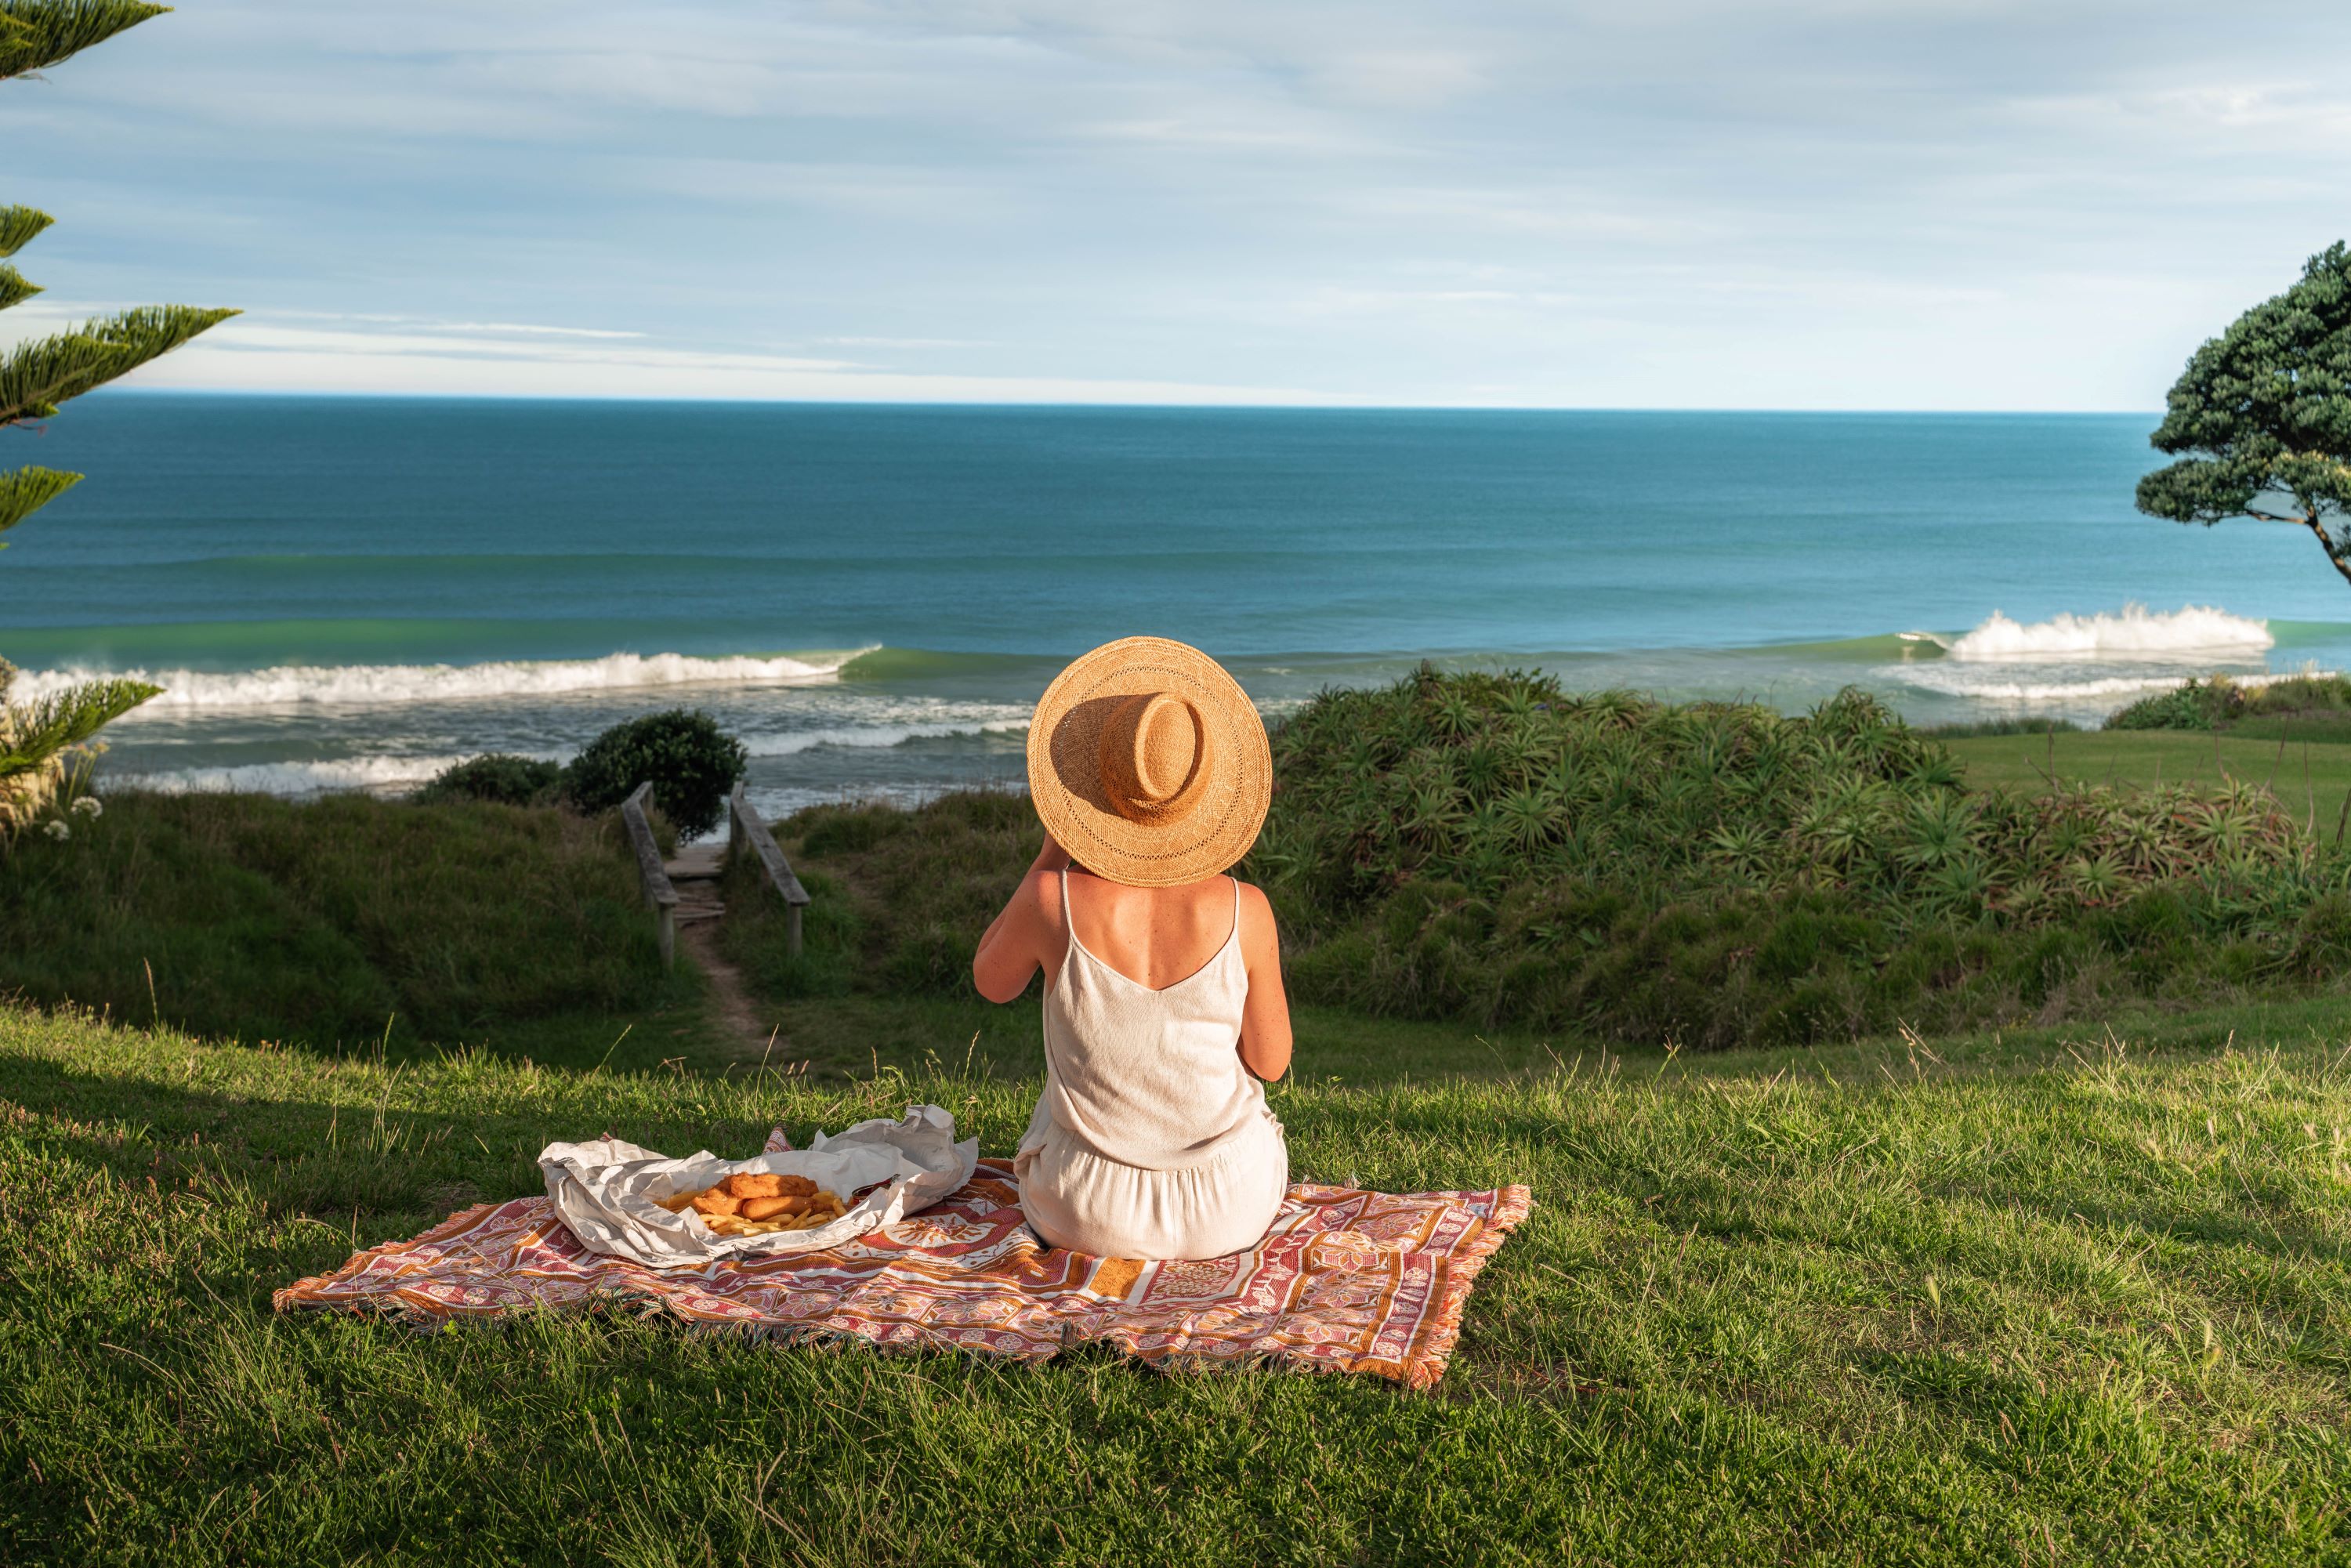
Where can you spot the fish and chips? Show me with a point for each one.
(758, 1203)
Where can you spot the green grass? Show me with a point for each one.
(347, 922)
(2310, 773)
(2007, 1298)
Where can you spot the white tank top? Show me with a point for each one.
(1151, 1078)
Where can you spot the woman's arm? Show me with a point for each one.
(1017, 942)
(1265, 1016)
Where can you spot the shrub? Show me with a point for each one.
(1493, 849)
(2195, 705)
(2306, 693)
(690, 761)
(2220, 701)
(499, 777)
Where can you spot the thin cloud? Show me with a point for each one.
(1821, 202)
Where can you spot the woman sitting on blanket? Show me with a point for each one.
(1163, 1009)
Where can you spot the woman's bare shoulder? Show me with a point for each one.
(1257, 922)
(1041, 891)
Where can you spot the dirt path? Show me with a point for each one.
(747, 1032)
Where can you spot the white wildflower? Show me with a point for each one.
(58, 829)
(89, 806)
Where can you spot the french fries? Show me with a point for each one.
(751, 1203)
(735, 1225)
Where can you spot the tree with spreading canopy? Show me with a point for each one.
(43, 372)
(2262, 417)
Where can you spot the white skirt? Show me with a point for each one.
(1076, 1198)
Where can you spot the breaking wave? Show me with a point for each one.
(786, 745)
(365, 685)
(295, 780)
(2135, 633)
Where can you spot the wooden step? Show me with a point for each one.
(697, 862)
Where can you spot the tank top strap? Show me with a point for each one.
(1068, 921)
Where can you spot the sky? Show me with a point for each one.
(1825, 203)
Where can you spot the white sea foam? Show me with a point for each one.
(2007, 686)
(1987, 686)
(289, 778)
(365, 685)
(786, 744)
(2135, 634)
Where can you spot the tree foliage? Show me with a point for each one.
(2262, 417)
(690, 762)
(39, 376)
(37, 34)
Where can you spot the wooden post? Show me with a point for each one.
(660, 896)
(744, 826)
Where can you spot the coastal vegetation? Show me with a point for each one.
(1479, 848)
(498, 777)
(346, 922)
(689, 761)
(40, 738)
(1494, 849)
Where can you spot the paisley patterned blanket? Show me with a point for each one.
(1345, 1280)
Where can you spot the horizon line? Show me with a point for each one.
(1047, 406)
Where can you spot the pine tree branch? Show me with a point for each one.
(38, 376)
(37, 34)
(19, 225)
(32, 733)
(25, 491)
(15, 287)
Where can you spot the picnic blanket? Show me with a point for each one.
(1345, 1280)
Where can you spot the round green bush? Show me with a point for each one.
(499, 776)
(688, 760)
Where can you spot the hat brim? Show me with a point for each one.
(1065, 766)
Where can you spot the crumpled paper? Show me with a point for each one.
(608, 1191)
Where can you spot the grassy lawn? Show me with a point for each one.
(2014, 1298)
(2309, 773)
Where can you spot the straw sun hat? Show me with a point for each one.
(1149, 764)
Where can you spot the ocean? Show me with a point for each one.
(351, 593)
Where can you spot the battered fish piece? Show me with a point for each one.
(754, 1184)
(795, 1187)
(718, 1200)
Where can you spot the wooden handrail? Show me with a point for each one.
(744, 826)
(660, 896)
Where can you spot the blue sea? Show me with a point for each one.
(342, 592)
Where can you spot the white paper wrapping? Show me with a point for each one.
(607, 1191)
